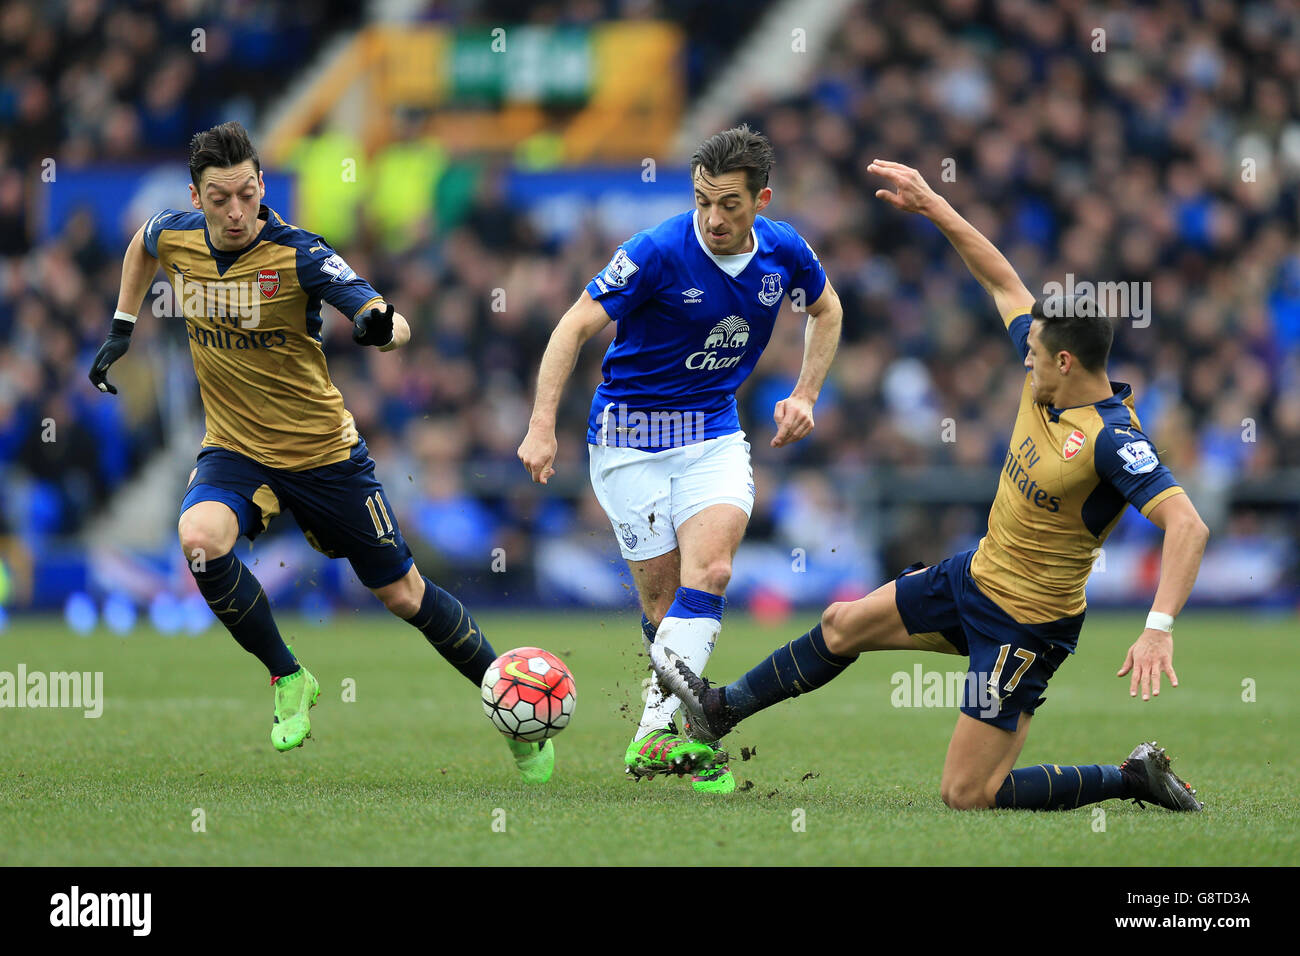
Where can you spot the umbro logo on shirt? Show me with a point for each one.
(692, 295)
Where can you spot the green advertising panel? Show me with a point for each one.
(525, 64)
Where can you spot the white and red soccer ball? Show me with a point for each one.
(529, 694)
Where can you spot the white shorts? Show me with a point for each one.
(647, 495)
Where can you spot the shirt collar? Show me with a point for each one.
(223, 256)
(1119, 392)
(731, 265)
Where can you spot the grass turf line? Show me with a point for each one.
(412, 772)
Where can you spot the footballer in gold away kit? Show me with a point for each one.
(1015, 604)
(249, 287)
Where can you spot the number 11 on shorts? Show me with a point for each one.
(375, 505)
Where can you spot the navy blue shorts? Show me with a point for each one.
(1010, 662)
(341, 508)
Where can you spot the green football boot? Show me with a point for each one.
(715, 779)
(666, 751)
(535, 760)
(295, 695)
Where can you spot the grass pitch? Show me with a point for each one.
(412, 773)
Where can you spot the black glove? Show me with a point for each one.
(374, 327)
(114, 347)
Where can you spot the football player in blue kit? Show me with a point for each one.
(695, 299)
(1015, 604)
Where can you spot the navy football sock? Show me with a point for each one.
(802, 665)
(1049, 787)
(446, 625)
(648, 629)
(238, 601)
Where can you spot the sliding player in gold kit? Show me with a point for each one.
(1015, 604)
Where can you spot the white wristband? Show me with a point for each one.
(1160, 622)
(124, 316)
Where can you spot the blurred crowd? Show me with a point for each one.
(1154, 145)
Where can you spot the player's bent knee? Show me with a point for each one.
(404, 607)
(403, 603)
(203, 537)
(717, 575)
(851, 627)
(403, 597)
(965, 796)
(837, 629)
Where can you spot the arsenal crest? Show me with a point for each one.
(268, 280)
(1073, 444)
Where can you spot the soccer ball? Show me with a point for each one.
(529, 694)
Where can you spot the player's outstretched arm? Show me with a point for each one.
(138, 269)
(989, 266)
(1180, 559)
(793, 415)
(584, 319)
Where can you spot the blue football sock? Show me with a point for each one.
(648, 629)
(802, 665)
(446, 625)
(692, 602)
(691, 625)
(238, 601)
(1049, 787)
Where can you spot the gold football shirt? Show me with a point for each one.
(1066, 478)
(253, 320)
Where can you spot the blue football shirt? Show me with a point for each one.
(691, 327)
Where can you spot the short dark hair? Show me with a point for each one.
(221, 146)
(1078, 325)
(733, 149)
